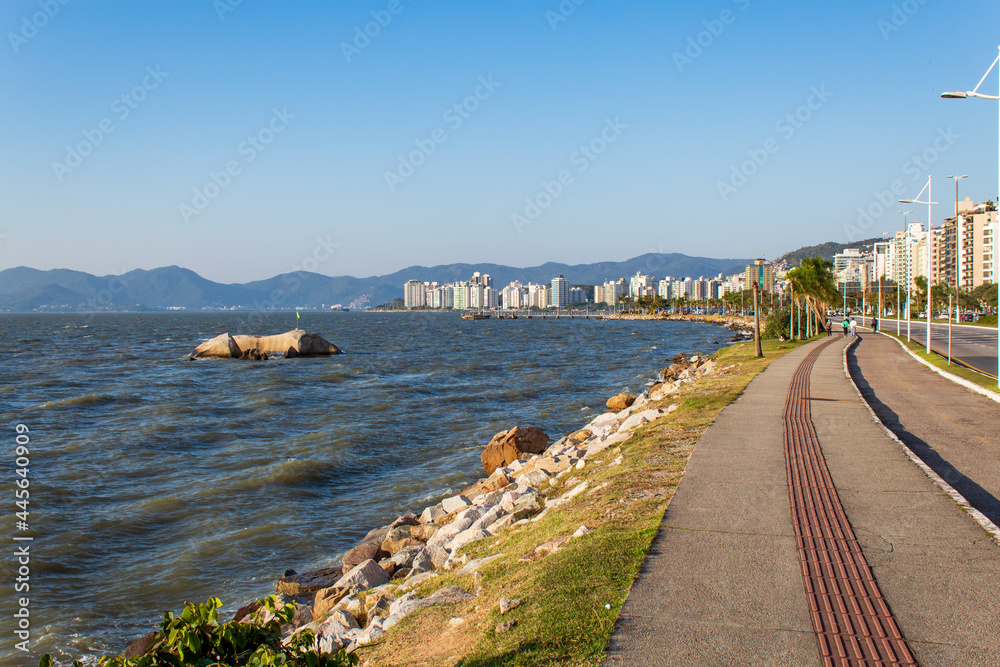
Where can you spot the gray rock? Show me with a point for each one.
(404, 557)
(370, 548)
(466, 537)
(454, 504)
(363, 576)
(487, 519)
(432, 513)
(408, 519)
(507, 604)
(440, 556)
(422, 561)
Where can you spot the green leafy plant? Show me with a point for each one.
(197, 639)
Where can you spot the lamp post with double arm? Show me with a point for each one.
(996, 270)
(930, 241)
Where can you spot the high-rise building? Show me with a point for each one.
(762, 273)
(663, 288)
(965, 256)
(463, 297)
(560, 292)
(414, 294)
(612, 290)
(641, 285)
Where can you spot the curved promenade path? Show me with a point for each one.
(841, 551)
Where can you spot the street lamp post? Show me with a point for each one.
(905, 213)
(975, 93)
(958, 247)
(930, 240)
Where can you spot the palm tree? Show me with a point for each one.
(814, 283)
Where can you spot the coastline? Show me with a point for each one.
(465, 559)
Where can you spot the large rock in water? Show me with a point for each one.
(223, 346)
(508, 446)
(303, 343)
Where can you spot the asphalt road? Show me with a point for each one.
(974, 346)
(951, 428)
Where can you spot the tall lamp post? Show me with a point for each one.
(930, 240)
(996, 278)
(897, 276)
(958, 248)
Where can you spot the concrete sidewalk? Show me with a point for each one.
(722, 581)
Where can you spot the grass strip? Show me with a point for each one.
(570, 598)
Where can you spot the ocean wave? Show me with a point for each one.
(88, 399)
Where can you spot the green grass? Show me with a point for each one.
(984, 322)
(935, 359)
(570, 599)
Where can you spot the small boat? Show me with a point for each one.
(475, 316)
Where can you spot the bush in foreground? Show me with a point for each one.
(197, 638)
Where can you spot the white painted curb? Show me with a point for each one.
(959, 499)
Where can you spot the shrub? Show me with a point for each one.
(197, 638)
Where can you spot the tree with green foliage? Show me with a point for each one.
(197, 638)
(814, 284)
(984, 298)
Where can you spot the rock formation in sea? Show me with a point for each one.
(295, 343)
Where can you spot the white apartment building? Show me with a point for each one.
(414, 294)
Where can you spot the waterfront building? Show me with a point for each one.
(514, 296)
(762, 273)
(463, 297)
(414, 294)
(857, 265)
(481, 279)
(612, 290)
(663, 288)
(577, 295)
(965, 254)
(641, 285)
(560, 292)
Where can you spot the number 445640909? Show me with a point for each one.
(22, 462)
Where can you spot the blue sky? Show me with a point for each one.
(250, 141)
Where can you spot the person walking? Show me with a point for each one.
(874, 324)
(829, 327)
(854, 328)
(847, 326)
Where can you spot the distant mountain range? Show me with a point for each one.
(23, 289)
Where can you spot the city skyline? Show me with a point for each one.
(361, 139)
